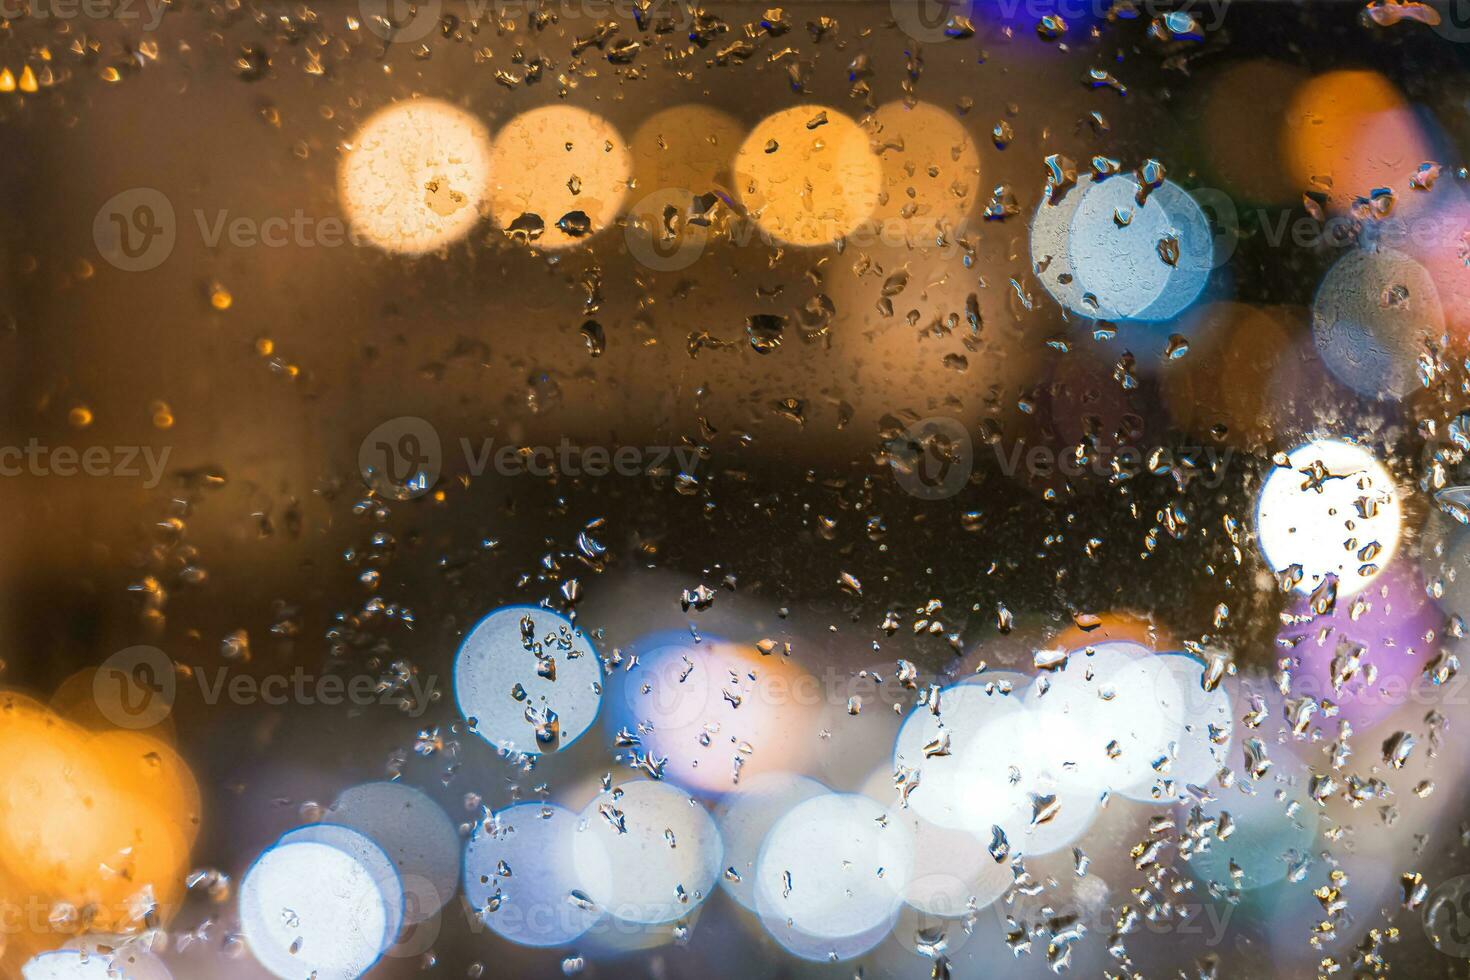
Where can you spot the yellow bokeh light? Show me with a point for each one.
(680, 154)
(100, 823)
(416, 176)
(560, 176)
(689, 147)
(149, 768)
(931, 170)
(808, 175)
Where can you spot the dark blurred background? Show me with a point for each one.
(262, 532)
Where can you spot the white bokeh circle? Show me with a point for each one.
(416, 176)
(519, 668)
(646, 852)
(833, 868)
(308, 908)
(1332, 510)
(520, 876)
(415, 833)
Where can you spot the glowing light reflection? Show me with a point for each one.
(416, 176)
(808, 175)
(1333, 510)
(520, 876)
(529, 679)
(559, 175)
(645, 852)
(748, 816)
(310, 908)
(1142, 262)
(831, 868)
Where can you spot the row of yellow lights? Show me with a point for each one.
(26, 83)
